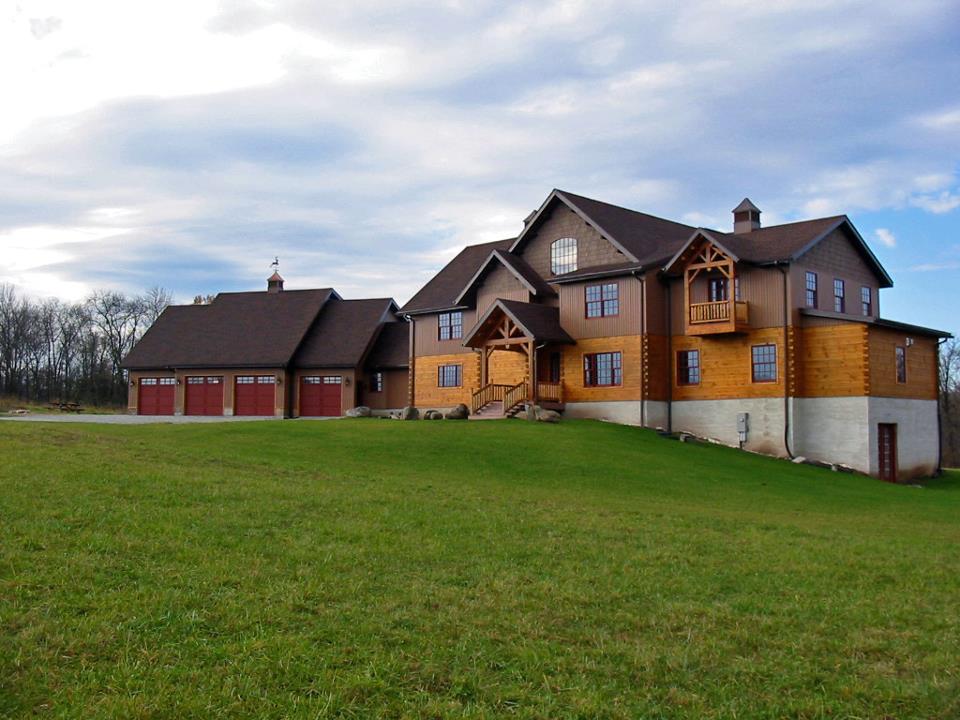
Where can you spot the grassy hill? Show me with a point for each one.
(382, 569)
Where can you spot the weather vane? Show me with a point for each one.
(275, 264)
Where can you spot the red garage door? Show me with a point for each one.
(204, 395)
(320, 396)
(254, 395)
(156, 396)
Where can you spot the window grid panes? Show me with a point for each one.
(718, 289)
(839, 301)
(602, 300)
(245, 380)
(811, 289)
(688, 367)
(563, 256)
(866, 301)
(376, 382)
(451, 325)
(601, 369)
(764, 363)
(448, 376)
(266, 380)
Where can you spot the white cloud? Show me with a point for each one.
(939, 203)
(886, 237)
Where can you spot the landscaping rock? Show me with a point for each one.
(359, 411)
(409, 413)
(460, 412)
(548, 416)
(532, 413)
(433, 415)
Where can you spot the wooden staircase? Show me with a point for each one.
(498, 401)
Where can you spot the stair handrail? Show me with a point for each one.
(514, 396)
(491, 392)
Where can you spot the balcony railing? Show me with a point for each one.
(711, 312)
(549, 392)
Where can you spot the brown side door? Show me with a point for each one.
(887, 446)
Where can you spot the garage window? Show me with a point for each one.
(168, 381)
(245, 380)
(148, 381)
(195, 381)
(267, 380)
(332, 380)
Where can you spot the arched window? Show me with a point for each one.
(563, 256)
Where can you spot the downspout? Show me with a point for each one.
(643, 358)
(786, 364)
(939, 472)
(412, 372)
(669, 363)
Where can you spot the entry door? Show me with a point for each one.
(320, 396)
(887, 445)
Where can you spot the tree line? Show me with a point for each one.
(950, 402)
(51, 350)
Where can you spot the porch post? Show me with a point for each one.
(483, 365)
(531, 369)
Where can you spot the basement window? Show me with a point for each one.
(764, 363)
(602, 300)
(901, 364)
(688, 367)
(563, 256)
(451, 326)
(449, 376)
(602, 369)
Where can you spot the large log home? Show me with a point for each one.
(767, 338)
(294, 353)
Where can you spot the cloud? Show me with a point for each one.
(365, 143)
(886, 237)
(41, 27)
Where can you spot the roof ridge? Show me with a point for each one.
(621, 207)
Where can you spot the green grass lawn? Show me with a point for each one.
(502, 569)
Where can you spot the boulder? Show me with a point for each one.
(359, 411)
(460, 412)
(548, 416)
(532, 412)
(433, 415)
(409, 413)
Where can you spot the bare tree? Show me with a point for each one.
(950, 402)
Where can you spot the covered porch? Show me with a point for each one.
(532, 334)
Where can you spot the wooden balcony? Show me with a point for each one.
(712, 318)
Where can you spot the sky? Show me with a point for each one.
(186, 144)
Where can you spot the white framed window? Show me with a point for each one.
(563, 256)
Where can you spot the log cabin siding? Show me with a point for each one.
(428, 395)
(726, 366)
(626, 322)
(574, 389)
(832, 361)
(835, 257)
(426, 329)
(921, 365)
(592, 248)
(505, 367)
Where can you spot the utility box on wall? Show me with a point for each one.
(743, 426)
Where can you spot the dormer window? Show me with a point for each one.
(563, 256)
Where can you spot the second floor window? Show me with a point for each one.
(811, 286)
(901, 364)
(718, 289)
(866, 301)
(451, 326)
(764, 363)
(839, 301)
(563, 256)
(688, 367)
(601, 369)
(448, 376)
(602, 300)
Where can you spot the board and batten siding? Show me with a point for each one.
(426, 332)
(573, 313)
(592, 248)
(834, 257)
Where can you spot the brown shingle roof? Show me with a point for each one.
(343, 333)
(540, 322)
(446, 285)
(516, 265)
(777, 242)
(392, 348)
(248, 329)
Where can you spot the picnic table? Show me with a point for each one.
(65, 406)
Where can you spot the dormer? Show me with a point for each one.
(710, 299)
